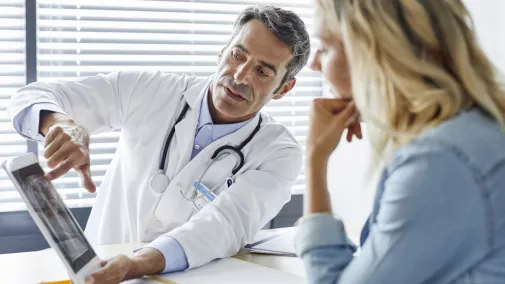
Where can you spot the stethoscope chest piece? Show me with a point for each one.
(159, 182)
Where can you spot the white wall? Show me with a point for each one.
(350, 198)
(350, 195)
(489, 19)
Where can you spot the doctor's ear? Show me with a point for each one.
(286, 87)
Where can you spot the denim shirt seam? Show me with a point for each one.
(478, 176)
(496, 167)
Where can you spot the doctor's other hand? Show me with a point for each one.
(66, 146)
(147, 261)
(329, 117)
(113, 271)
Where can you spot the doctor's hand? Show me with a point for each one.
(329, 117)
(67, 146)
(147, 261)
(113, 271)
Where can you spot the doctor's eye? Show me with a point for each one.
(262, 72)
(236, 55)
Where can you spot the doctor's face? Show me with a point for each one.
(249, 74)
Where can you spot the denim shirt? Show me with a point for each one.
(438, 215)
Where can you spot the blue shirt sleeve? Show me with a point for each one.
(175, 257)
(430, 228)
(26, 122)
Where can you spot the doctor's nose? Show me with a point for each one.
(241, 76)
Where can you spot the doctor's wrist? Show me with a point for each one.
(146, 261)
(49, 118)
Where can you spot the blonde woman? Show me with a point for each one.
(415, 73)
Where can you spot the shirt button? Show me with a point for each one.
(197, 147)
(30, 132)
(209, 127)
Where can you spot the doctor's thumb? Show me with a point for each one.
(86, 180)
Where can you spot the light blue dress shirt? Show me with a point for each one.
(438, 215)
(27, 124)
(208, 132)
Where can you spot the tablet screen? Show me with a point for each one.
(55, 215)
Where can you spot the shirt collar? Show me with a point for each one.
(205, 117)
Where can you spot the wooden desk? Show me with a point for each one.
(33, 267)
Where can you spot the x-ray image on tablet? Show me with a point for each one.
(49, 206)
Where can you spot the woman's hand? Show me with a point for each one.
(329, 118)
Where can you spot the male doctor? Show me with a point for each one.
(147, 194)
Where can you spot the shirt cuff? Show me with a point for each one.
(172, 251)
(28, 121)
(320, 230)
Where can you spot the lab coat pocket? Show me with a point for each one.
(216, 179)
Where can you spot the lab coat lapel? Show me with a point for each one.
(186, 129)
(188, 171)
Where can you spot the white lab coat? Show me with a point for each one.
(145, 105)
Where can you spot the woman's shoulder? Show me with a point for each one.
(459, 165)
(471, 138)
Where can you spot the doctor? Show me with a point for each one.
(171, 127)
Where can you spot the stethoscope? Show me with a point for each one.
(159, 181)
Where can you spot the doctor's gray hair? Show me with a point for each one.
(287, 26)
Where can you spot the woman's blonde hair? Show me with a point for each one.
(413, 64)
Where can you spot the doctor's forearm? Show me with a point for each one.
(317, 199)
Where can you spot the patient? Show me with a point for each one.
(415, 73)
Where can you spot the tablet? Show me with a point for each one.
(52, 217)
